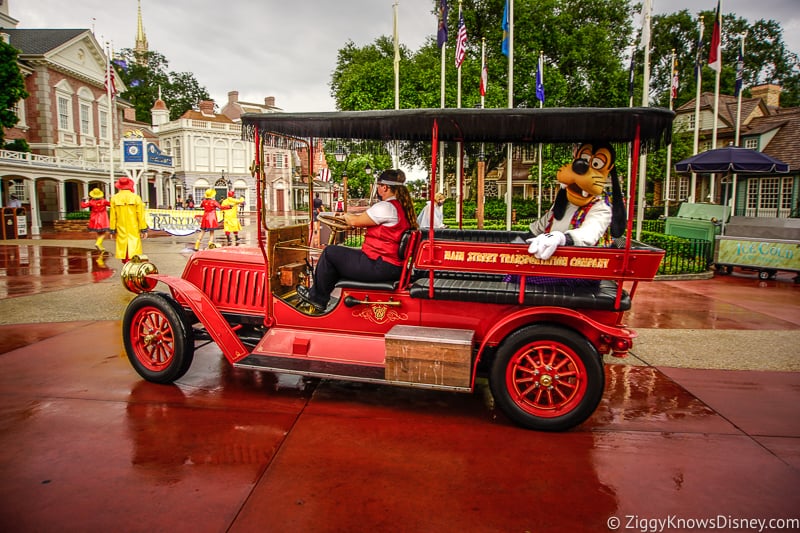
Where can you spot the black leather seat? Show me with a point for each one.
(402, 254)
(600, 296)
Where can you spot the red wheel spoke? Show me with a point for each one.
(547, 378)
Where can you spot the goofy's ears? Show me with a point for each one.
(560, 203)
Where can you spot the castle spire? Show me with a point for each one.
(141, 38)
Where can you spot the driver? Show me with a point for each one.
(377, 260)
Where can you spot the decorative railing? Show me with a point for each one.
(36, 160)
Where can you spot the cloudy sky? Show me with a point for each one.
(287, 48)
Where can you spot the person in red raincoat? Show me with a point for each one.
(209, 222)
(98, 219)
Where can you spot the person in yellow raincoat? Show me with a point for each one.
(126, 221)
(230, 216)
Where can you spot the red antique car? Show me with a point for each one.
(452, 317)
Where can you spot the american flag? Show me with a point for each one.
(461, 41)
(110, 82)
(325, 174)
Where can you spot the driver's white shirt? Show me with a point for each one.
(384, 213)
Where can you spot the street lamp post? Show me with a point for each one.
(341, 157)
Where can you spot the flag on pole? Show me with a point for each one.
(698, 62)
(715, 53)
(505, 30)
(740, 69)
(461, 40)
(674, 93)
(631, 76)
(325, 174)
(441, 36)
(110, 82)
(484, 75)
(539, 82)
(646, 24)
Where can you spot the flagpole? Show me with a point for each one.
(481, 162)
(110, 121)
(672, 90)
(459, 153)
(698, 67)
(509, 147)
(631, 73)
(717, 23)
(645, 103)
(396, 155)
(739, 84)
(540, 79)
(396, 59)
(442, 45)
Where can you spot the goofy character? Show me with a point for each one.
(582, 214)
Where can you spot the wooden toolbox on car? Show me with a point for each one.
(429, 356)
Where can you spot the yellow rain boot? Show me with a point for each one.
(197, 245)
(99, 244)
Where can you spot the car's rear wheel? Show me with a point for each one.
(547, 377)
(158, 340)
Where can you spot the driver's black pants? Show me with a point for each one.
(342, 262)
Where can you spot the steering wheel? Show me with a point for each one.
(333, 221)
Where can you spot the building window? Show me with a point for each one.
(64, 113)
(692, 121)
(19, 111)
(769, 197)
(103, 118)
(220, 156)
(751, 143)
(18, 189)
(238, 155)
(202, 155)
(705, 146)
(177, 153)
(678, 188)
(86, 118)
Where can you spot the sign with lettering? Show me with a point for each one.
(766, 253)
(155, 157)
(568, 261)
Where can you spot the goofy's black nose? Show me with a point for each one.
(580, 166)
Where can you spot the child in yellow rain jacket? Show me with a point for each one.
(126, 221)
(230, 216)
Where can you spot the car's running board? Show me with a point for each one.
(331, 370)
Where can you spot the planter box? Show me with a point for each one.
(70, 225)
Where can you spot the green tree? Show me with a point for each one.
(12, 87)
(145, 73)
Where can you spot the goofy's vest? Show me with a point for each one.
(579, 216)
(384, 241)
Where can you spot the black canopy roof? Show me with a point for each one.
(547, 125)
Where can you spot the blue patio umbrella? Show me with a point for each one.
(733, 160)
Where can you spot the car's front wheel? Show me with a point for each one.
(158, 341)
(547, 377)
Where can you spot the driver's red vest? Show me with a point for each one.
(384, 241)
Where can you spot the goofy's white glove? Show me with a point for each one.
(544, 245)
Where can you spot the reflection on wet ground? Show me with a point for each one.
(87, 445)
(31, 269)
(235, 449)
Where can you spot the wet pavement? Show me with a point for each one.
(692, 426)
